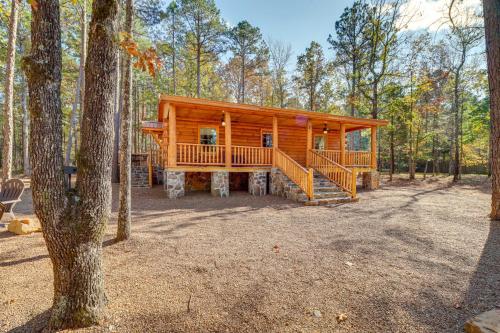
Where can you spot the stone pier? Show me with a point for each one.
(219, 186)
(371, 180)
(173, 183)
(257, 183)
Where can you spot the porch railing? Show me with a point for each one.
(243, 155)
(196, 154)
(342, 176)
(301, 176)
(361, 159)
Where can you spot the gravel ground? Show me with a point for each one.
(410, 257)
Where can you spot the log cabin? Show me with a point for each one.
(220, 146)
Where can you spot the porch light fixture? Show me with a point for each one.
(222, 120)
(325, 129)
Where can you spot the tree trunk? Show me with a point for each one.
(198, 71)
(8, 118)
(26, 126)
(242, 79)
(123, 231)
(491, 19)
(80, 84)
(73, 223)
(174, 51)
(115, 171)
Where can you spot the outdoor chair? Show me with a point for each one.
(10, 195)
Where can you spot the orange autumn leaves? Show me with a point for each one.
(145, 60)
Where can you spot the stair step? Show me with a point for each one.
(327, 195)
(330, 201)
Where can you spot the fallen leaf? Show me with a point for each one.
(341, 317)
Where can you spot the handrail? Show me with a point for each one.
(353, 158)
(189, 153)
(301, 176)
(340, 175)
(248, 155)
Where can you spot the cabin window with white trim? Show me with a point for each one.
(319, 142)
(208, 136)
(267, 140)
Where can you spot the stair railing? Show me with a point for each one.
(340, 175)
(301, 176)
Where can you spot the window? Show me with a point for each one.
(267, 140)
(319, 142)
(208, 136)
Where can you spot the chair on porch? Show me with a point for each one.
(10, 195)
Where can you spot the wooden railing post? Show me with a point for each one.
(373, 161)
(227, 132)
(309, 142)
(310, 183)
(172, 137)
(353, 182)
(342, 144)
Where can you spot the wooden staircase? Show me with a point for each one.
(326, 192)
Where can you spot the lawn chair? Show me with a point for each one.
(10, 195)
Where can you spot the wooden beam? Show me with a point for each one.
(227, 135)
(309, 141)
(373, 161)
(172, 137)
(342, 144)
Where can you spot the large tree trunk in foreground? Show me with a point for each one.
(8, 118)
(26, 126)
(492, 27)
(80, 84)
(73, 222)
(123, 231)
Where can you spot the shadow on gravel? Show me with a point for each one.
(484, 287)
(34, 325)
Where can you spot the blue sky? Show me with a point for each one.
(297, 22)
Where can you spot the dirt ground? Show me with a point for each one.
(410, 257)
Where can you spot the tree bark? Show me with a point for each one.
(8, 118)
(123, 231)
(26, 126)
(115, 171)
(198, 71)
(491, 19)
(80, 84)
(73, 222)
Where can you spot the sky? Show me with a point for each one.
(297, 22)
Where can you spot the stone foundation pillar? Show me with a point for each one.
(276, 183)
(371, 180)
(220, 184)
(257, 183)
(173, 183)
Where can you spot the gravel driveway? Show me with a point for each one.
(410, 257)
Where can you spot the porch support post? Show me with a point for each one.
(373, 155)
(164, 137)
(172, 137)
(309, 142)
(227, 135)
(275, 139)
(342, 144)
